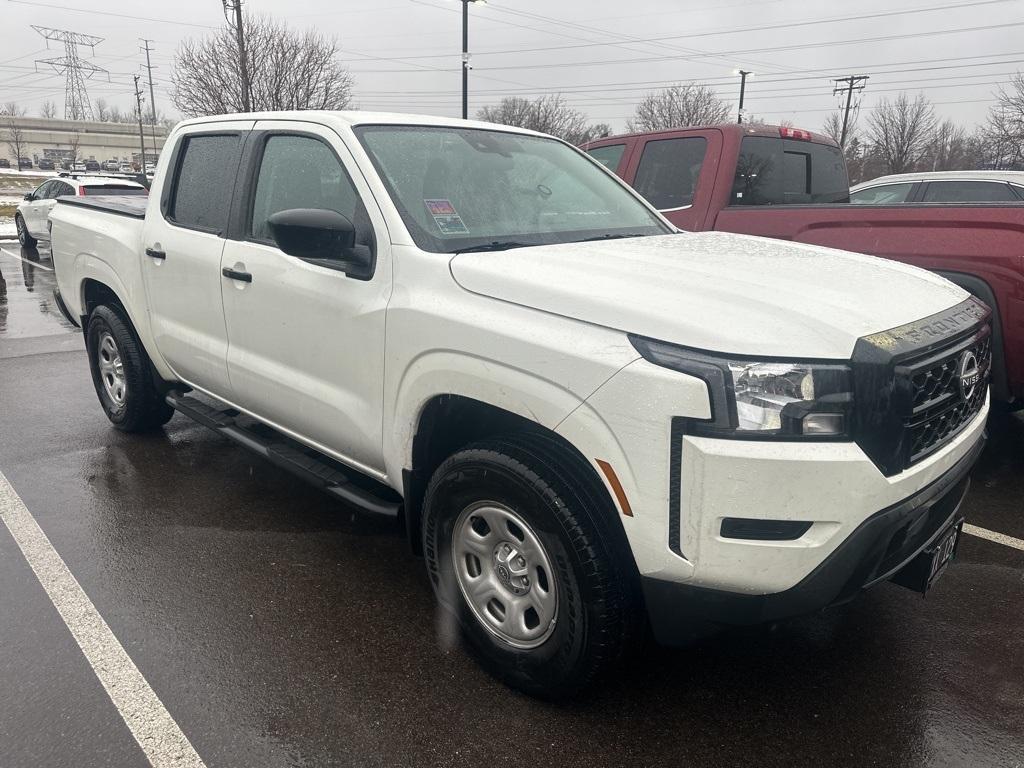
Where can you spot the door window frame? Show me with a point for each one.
(240, 219)
(696, 182)
(170, 190)
(999, 182)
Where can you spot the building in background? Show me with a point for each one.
(56, 139)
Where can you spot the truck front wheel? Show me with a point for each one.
(121, 373)
(519, 546)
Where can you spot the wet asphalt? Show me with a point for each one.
(279, 629)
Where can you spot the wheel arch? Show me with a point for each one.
(448, 422)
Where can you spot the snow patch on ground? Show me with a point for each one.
(7, 229)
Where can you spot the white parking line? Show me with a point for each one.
(998, 538)
(145, 715)
(33, 263)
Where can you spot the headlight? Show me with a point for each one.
(763, 398)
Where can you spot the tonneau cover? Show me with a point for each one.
(121, 205)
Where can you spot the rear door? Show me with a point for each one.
(306, 340)
(672, 174)
(183, 240)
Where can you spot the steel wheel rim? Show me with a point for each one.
(505, 574)
(108, 356)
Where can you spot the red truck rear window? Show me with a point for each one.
(773, 171)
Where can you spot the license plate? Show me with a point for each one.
(925, 569)
(944, 551)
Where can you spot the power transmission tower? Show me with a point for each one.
(138, 107)
(235, 6)
(152, 97)
(849, 85)
(76, 99)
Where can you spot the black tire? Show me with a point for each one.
(143, 407)
(599, 610)
(23, 236)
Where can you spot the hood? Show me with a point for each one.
(741, 295)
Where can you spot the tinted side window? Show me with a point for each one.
(44, 191)
(968, 192)
(608, 156)
(773, 171)
(668, 171)
(64, 189)
(883, 195)
(203, 183)
(303, 172)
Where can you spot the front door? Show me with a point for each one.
(183, 239)
(306, 341)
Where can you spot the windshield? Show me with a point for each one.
(459, 188)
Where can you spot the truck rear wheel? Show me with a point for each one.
(121, 373)
(520, 549)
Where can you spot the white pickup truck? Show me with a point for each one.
(585, 419)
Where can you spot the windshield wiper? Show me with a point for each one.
(497, 245)
(608, 237)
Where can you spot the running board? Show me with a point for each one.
(325, 473)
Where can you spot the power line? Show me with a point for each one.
(93, 12)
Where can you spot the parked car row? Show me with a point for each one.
(49, 164)
(584, 417)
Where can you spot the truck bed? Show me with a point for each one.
(120, 205)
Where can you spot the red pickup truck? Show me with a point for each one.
(793, 185)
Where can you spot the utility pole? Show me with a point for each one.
(152, 97)
(243, 60)
(465, 55)
(743, 89)
(849, 84)
(142, 136)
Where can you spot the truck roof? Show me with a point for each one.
(731, 129)
(351, 118)
(1016, 177)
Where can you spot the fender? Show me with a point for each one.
(453, 373)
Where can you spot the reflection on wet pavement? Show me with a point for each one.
(27, 306)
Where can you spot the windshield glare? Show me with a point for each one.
(459, 188)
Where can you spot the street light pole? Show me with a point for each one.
(465, 59)
(743, 88)
(465, 55)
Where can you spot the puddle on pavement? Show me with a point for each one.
(27, 306)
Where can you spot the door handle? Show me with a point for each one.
(153, 253)
(234, 274)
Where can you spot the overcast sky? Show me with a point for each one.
(405, 54)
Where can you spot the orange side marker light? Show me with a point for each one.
(613, 481)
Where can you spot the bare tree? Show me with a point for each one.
(833, 127)
(73, 144)
(102, 110)
(14, 137)
(679, 106)
(901, 130)
(287, 70)
(48, 109)
(1005, 128)
(11, 109)
(949, 148)
(547, 114)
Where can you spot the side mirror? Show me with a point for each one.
(321, 236)
(30, 196)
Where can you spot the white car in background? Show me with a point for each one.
(32, 218)
(941, 187)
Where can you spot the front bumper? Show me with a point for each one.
(876, 550)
